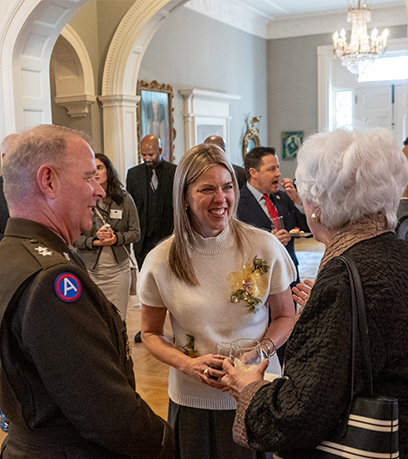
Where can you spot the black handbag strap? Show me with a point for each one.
(359, 327)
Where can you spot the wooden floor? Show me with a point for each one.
(308, 245)
(151, 375)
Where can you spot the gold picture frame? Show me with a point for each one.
(155, 115)
(251, 137)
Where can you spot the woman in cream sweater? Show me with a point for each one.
(220, 280)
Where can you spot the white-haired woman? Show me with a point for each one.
(196, 274)
(350, 184)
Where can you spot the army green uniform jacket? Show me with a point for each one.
(66, 376)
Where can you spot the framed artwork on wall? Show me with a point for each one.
(155, 115)
(291, 142)
(251, 136)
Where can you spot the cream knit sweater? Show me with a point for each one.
(206, 311)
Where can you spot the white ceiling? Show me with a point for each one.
(290, 18)
(280, 9)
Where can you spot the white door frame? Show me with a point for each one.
(325, 58)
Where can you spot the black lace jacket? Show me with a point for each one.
(295, 414)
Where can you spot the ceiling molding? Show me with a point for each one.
(236, 14)
(298, 26)
(232, 13)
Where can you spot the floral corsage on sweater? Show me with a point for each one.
(250, 284)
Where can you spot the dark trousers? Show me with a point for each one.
(207, 434)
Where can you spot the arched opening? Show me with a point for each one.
(72, 86)
(26, 46)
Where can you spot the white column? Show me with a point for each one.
(189, 122)
(120, 131)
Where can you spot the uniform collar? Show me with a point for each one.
(28, 229)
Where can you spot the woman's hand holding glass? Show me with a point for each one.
(237, 379)
(206, 369)
(222, 350)
(279, 230)
(105, 235)
(247, 364)
(247, 352)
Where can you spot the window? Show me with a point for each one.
(344, 108)
(386, 69)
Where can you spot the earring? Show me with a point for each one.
(185, 206)
(315, 218)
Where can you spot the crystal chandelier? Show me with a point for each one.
(362, 50)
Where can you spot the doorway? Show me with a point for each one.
(344, 100)
(382, 106)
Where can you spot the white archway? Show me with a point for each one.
(74, 78)
(29, 30)
(120, 75)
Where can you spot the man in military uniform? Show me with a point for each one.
(4, 213)
(66, 376)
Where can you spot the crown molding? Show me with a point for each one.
(237, 14)
(298, 26)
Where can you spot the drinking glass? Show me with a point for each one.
(278, 223)
(222, 350)
(246, 352)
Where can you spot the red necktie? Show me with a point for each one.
(271, 209)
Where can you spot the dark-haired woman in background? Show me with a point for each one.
(105, 249)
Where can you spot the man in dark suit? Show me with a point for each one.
(4, 213)
(262, 168)
(240, 173)
(260, 201)
(402, 212)
(153, 196)
(151, 186)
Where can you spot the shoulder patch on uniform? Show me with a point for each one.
(68, 287)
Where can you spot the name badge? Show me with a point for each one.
(116, 214)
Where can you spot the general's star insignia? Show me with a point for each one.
(43, 251)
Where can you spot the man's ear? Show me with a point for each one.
(252, 171)
(47, 180)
